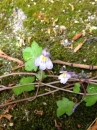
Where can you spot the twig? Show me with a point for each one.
(5, 56)
(91, 67)
(66, 90)
(17, 73)
(17, 67)
(40, 95)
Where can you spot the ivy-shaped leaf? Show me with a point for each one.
(29, 65)
(76, 88)
(91, 100)
(30, 54)
(25, 88)
(39, 75)
(64, 106)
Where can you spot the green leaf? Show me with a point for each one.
(92, 99)
(30, 54)
(39, 75)
(64, 106)
(29, 65)
(76, 88)
(27, 53)
(25, 88)
(26, 80)
(36, 49)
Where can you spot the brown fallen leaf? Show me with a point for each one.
(49, 30)
(94, 127)
(83, 33)
(10, 107)
(7, 116)
(54, 22)
(58, 124)
(1, 128)
(41, 16)
(72, 7)
(62, 28)
(77, 36)
(38, 112)
(12, 99)
(11, 85)
(29, 40)
(79, 46)
(55, 32)
(46, 19)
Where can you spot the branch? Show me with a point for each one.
(91, 67)
(5, 56)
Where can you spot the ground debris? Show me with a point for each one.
(77, 36)
(79, 46)
(7, 116)
(93, 126)
(72, 7)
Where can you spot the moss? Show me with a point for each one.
(38, 31)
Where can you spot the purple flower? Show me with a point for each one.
(65, 76)
(43, 61)
(74, 107)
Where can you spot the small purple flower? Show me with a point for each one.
(43, 61)
(45, 53)
(74, 107)
(65, 76)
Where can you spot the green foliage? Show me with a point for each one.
(91, 100)
(76, 88)
(30, 54)
(64, 106)
(24, 88)
(41, 75)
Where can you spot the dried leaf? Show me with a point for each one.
(10, 107)
(62, 28)
(54, 22)
(12, 98)
(1, 128)
(77, 36)
(78, 47)
(49, 30)
(7, 116)
(46, 19)
(58, 124)
(29, 40)
(54, 30)
(38, 112)
(11, 85)
(94, 127)
(72, 7)
(83, 33)
(40, 16)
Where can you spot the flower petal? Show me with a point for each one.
(45, 53)
(42, 66)
(60, 76)
(37, 61)
(68, 75)
(49, 64)
(63, 80)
